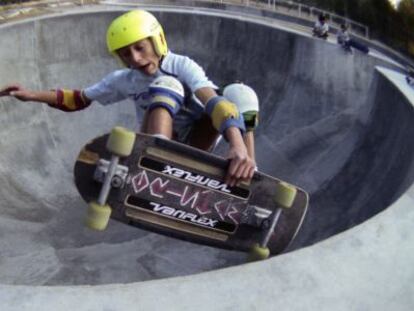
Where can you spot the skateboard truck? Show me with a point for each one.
(119, 176)
(256, 216)
(120, 143)
(284, 197)
(273, 222)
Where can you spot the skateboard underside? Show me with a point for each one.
(178, 191)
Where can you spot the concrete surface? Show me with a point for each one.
(330, 122)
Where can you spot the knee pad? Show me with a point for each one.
(247, 102)
(224, 114)
(166, 92)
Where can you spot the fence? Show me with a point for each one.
(15, 8)
(309, 12)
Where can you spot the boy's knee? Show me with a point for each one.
(168, 93)
(246, 101)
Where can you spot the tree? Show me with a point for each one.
(406, 13)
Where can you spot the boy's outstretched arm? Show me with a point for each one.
(17, 91)
(62, 99)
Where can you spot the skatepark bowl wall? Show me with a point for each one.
(329, 122)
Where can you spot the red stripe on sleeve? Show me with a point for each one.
(59, 95)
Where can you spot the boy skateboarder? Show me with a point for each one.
(178, 100)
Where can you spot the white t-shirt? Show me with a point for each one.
(320, 28)
(343, 36)
(132, 84)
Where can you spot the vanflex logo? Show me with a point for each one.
(211, 183)
(195, 178)
(170, 211)
(182, 215)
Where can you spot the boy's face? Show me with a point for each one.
(141, 56)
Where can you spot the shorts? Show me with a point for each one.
(184, 120)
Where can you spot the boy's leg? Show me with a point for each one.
(165, 100)
(158, 121)
(203, 135)
(347, 46)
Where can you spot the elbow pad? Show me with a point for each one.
(166, 92)
(70, 100)
(224, 114)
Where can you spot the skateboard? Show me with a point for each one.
(173, 189)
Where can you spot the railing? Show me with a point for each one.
(15, 8)
(312, 13)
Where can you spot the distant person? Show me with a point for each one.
(344, 39)
(321, 27)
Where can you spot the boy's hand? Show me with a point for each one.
(16, 91)
(241, 167)
(7, 89)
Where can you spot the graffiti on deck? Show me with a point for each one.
(196, 199)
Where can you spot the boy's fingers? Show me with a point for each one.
(16, 93)
(234, 166)
(9, 90)
(239, 172)
(231, 174)
(247, 173)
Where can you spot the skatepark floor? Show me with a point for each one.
(337, 125)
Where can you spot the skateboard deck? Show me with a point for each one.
(176, 190)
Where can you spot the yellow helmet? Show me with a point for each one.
(134, 26)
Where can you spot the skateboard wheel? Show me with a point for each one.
(285, 194)
(98, 216)
(258, 253)
(121, 141)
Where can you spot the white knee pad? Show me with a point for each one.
(243, 96)
(166, 92)
(246, 101)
